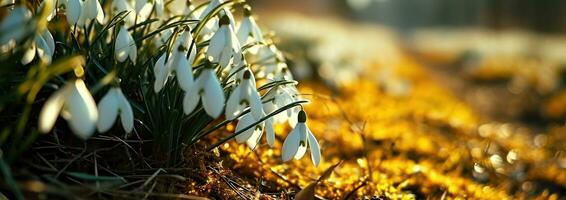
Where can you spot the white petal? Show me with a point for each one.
(256, 105)
(99, 13)
(121, 46)
(52, 108)
(303, 141)
(13, 25)
(132, 49)
(49, 40)
(314, 147)
(107, 111)
(83, 111)
(256, 31)
(73, 11)
(244, 122)
(83, 17)
(161, 73)
(126, 113)
(159, 7)
(290, 145)
(43, 50)
(184, 71)
(253, 141)
(29, 54)
(213, 4)
(233, 108)
(217, 44)
(90, 10)
(244, 30)
(213, 98)
(270, 132)
(191, 99)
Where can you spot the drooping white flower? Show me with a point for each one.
(13, 27)
(253, 135)
(272, 61)
(119, 6)
(279, 97)
(114, 103)
(93, 10)
(245, 94)
(43, 45)
(249, 31)
(143, 8)
(125, 46)
(73, 11)
(161, 72)
(178, 63)
(182, 7)
(223, 44)
(183, 68)
(159, 8)
(206, 88)
(297, 142)
(75, 104)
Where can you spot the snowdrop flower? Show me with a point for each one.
(92, 10)
(223, 43)
(114, 103)
(75, 104)
(143, 8)
(244, 95)
(210, 26)
(73, 11)
(249, 31)
(279, 97)
(297, 142)
(182, 7)
(252, 136)
(43, 45)
(206, 87)
(119, 6)
(13, 27)
(159, 7)
(178, 63)
(125, 46)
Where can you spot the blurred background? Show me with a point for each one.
(545, 16)
(458, 99)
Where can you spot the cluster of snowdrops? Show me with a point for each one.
(212, 58)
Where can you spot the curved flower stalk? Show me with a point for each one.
(297, 142)
(248, 31)
(114, 103)
(75, 104)
(244, 95)
(125, 46)
(223, 43)
(43, 45)
(206, 88)
(13, 28)
(252, 137)
(178, 63)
